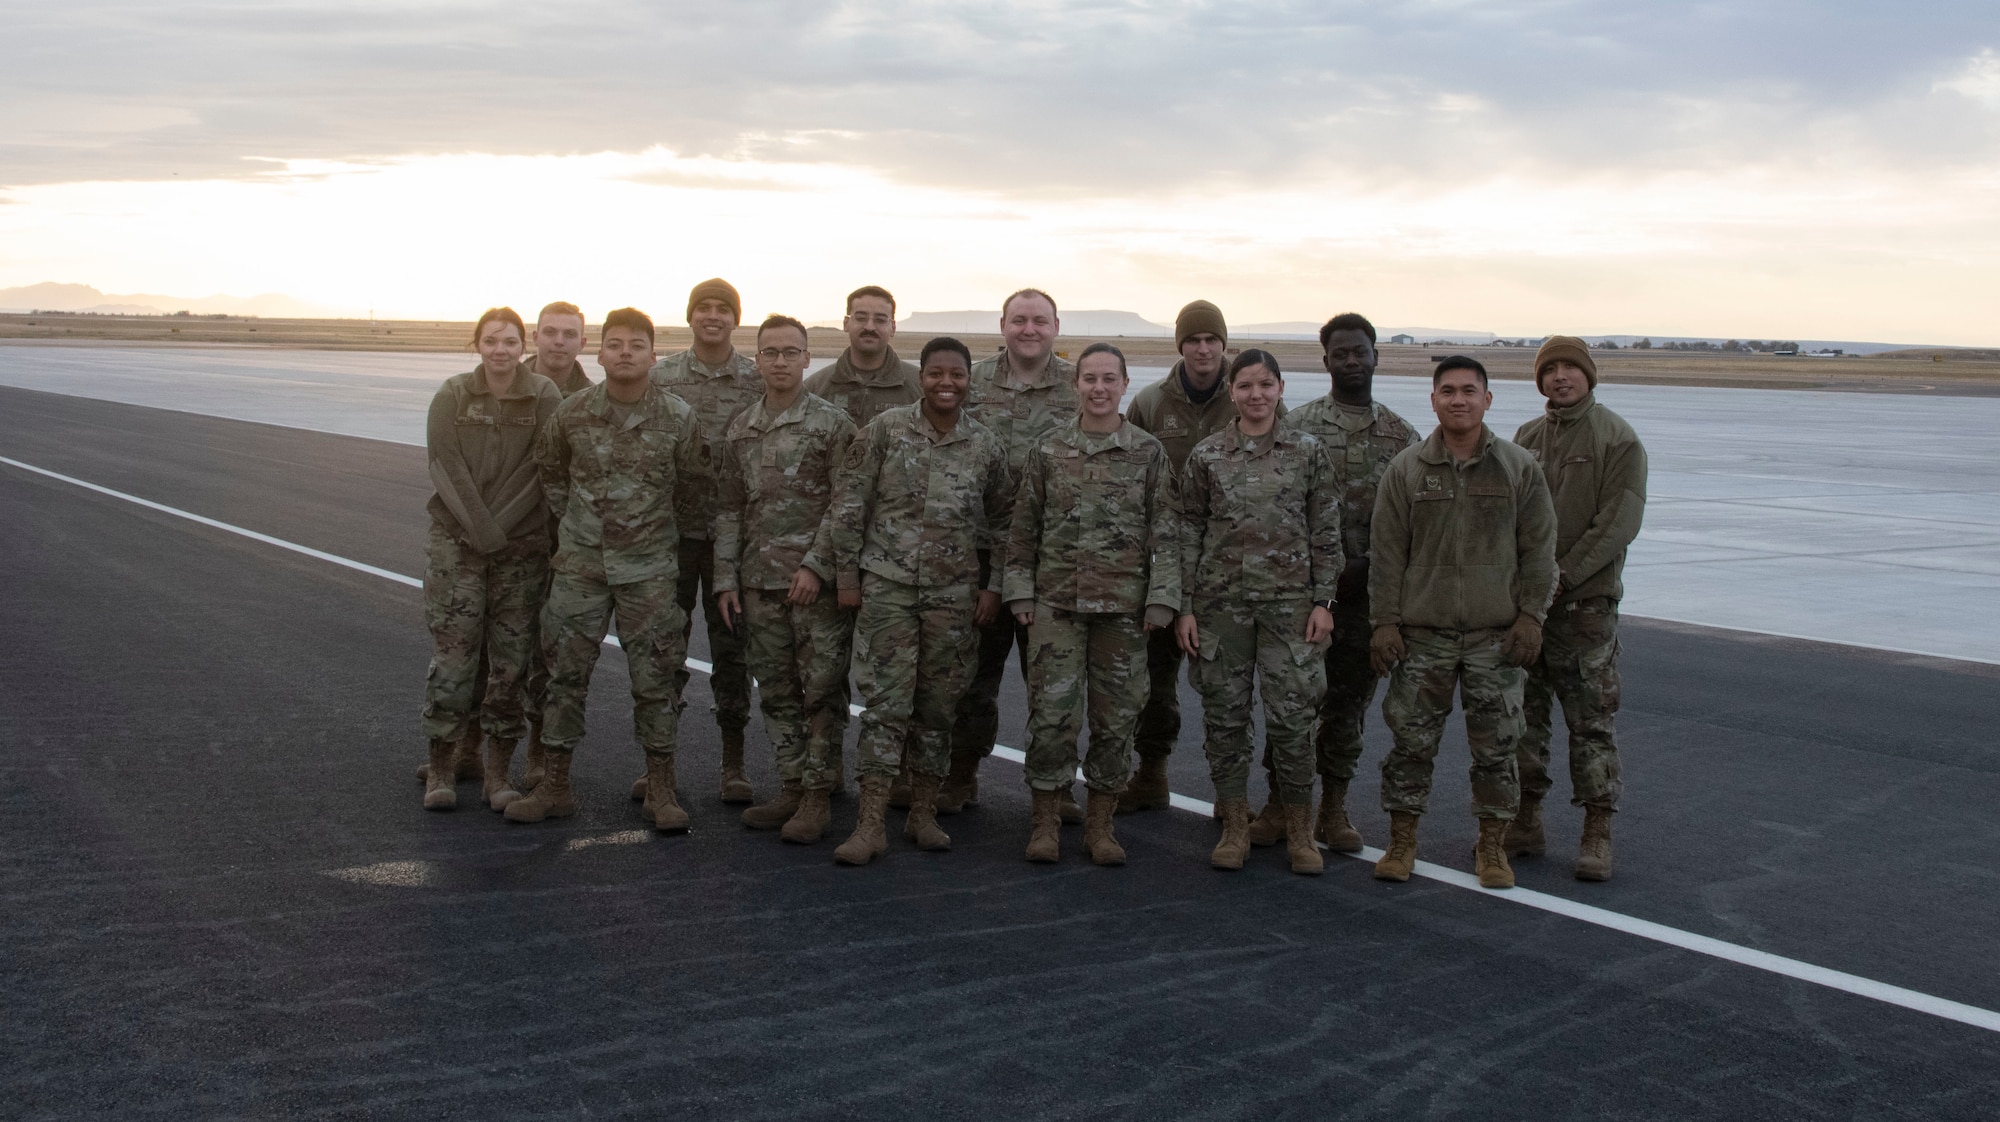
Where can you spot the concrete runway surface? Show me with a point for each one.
(225, 900)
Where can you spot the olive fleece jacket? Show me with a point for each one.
(1596, 470)
(481, 452)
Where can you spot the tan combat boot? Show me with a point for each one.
(537, 757)
(1045, 836)
(777, 812)
(1489, 861)
(464, 758)
(869, 840)
(663, 803)
(1098, 837)
(735, 786)
(1593, 861)
(1235, 844)
(1524, 833)
(1147, 789)
(921, 826)
(639, 788)
(496, 789)
(1400, 859)
(1066, 808)
(438, 792)
(1299, 846)
(1334, 829)
(809, 823)
(960, 788)
(899, 791)
(551, 797)
(1268, 828)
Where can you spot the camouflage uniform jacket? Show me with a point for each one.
(1360, 442)
(1260, 518)
(1018, 411)
(912, 502)
(481, 453)
(1596, 470)
(1165, 410)
(576, 383)
(716, 392)
(774, 482)
(1095, 528)
(1462, 546)
(866, 395)
(623, 488)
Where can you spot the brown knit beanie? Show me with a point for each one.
(715, 288)
(1570, 349)
(1196, 318)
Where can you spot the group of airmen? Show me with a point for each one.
(915, 522)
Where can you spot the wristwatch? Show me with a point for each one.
(1327, 604)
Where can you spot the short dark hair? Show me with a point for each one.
(1459, 362)
(1100, 349)
(1254, 356)
(1346, 321)
(1018, 293)
(876, 291)
(628, 317)
(944, 343)
(504, 315)
(774, 320)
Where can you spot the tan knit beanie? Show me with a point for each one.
(715, 288)
(1568, 348)
(1196, 318)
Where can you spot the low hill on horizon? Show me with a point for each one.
(50, 296)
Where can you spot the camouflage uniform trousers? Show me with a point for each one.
(652, 629)
(1264, 639)
(1579, 668)
(729, 679)
(1160, 721)
(913, 656)
(480, 608)
(799, 657)
(1103, 656)
(976, 723)
(1419, 700)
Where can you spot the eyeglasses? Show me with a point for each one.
(789, 354)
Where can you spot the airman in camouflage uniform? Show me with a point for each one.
(1094, 564)
(775, 471)
(626, 476)
(1260, 553)
(1596, 470)
(716, 386)
(1361, 436)
(1462, 568)
(914, 506)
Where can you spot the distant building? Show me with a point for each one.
(1404, 339)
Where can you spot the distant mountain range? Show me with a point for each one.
(50, 297)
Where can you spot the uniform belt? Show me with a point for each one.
(1601, 602)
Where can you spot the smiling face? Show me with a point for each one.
(1029, 325)
(1351, 359)
(712, 322)
(1460, 401)
(500, 347)
(626, 354)
(1564, 383)
(1100, 384)
(870, 324)
(782, 358)
(1256, 390)
(945, 379)
(558, 340)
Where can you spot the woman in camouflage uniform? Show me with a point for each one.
(1260, 552)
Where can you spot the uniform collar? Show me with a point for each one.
(1574, 412)
(480, 387)
(1237, 442)
(890, 373)
(1003, 373)
(761, 418)
(1126, 435)
(1433, 451)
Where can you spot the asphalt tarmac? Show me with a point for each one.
(223, 898)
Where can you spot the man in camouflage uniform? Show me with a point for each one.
(1020, 393)
(1462, 569)
(1361, 436)
(624, 466)
(775, 468)
(921, 488)
(716, 381)
(1596, 470)
(868, 378)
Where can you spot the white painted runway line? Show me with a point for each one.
(418, 874)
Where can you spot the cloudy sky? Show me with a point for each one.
(1770, 169)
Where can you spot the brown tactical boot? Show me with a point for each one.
(1299, 841)
(735, 788)
(1334, 829)
(1045, 837)
(1400, 859)
(1235, 843)
(1593, 861)
(899, 791)
(663, 804)
(1097, 834)
(1489, 861)
(961, 788)
(869, 840)
(496, 790)
(1524, 833)
(809, 824)
(1268, 828)
(551, 797)
(1147, 789)
(537, 755)
(464, 759)
(438, 792)
(921, 826)
(777, 812)
(639, 789)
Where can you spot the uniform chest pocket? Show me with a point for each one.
(1262, 490)
(1115, 488)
